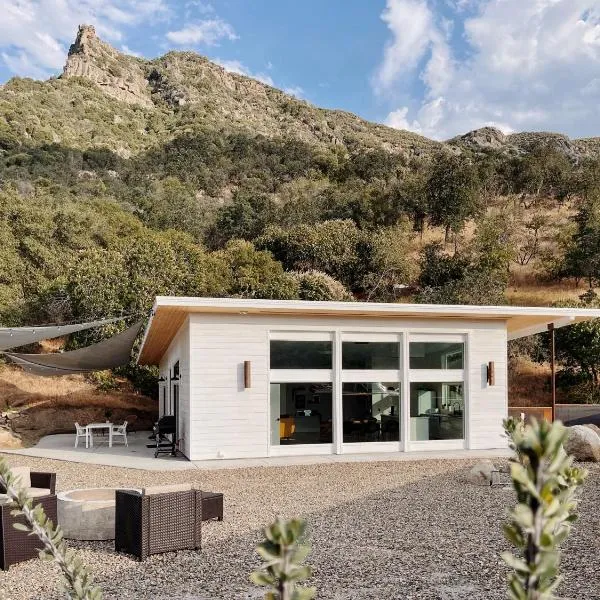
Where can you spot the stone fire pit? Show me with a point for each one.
(87, 514)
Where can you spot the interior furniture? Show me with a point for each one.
(17, 546)
(81, 432)
(87, 514)
(158, 519)
(212, 506)
(100, 427)
(120, 431)
(287, 428)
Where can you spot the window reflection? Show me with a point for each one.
(370, 355)
(371, 412)
(436, 355)
(288, 354)
(437, 411)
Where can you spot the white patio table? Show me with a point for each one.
(90, 429)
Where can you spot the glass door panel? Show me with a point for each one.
(371, 412)
(301, 413)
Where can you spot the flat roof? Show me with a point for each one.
(169, 313)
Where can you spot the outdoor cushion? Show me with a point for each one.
(167, 489)
(22, 476)
(34, 492)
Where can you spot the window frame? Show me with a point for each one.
(439, 376)
(276, 376)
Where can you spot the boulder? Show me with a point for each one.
(592, 427)
(9, 439)
(583, 443)
(481, 473)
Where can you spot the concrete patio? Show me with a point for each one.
(138, 456)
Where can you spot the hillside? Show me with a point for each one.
(126, 178)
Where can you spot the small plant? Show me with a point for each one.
(511, 426)
(546, 484)
(79, 584)
(284, 556)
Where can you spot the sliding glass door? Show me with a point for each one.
(371, 388)
(301, 389)
(437, 398)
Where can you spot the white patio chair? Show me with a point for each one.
(120, 431)
(81, 432)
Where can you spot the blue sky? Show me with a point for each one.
(437, 67)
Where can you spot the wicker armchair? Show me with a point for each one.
(156, 520)
(17, 546)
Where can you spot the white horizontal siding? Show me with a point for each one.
(179, 350)
(488, 404)
(228, 421)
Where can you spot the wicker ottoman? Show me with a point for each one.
(212, 506)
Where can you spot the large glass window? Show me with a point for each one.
(301, 413)
(371, 412)
(437, 355)
(437, 411)
(288, 354)
(370, 355)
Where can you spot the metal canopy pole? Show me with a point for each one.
(553, 367)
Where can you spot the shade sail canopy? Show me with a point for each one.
(107, 354)
(14, 337)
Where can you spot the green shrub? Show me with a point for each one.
(546, 483)
(284, 567)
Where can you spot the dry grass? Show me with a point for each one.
(543, 294)
(11, 377)
(19, 389)
(41, 406)
(529, 384)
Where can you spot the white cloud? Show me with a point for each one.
(208, 32)
(127, 50)
(528, 65)
(235, 66)
(35, 34)
(411, 24)
(294, 90)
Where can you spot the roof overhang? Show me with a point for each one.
(170, 312)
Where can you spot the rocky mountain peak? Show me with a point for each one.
(117, 75)
(488, 138)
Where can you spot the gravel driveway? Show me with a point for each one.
(394, 530)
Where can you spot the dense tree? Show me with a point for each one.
(542, 171)
(316, 285)
(452, 191)
(582, 259)
(461, 278)
(245, 218)
(337, 248)
(255, 274)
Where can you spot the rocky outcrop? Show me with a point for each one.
(488, 138)
(9, 439)
(583, 443)
(117, 75)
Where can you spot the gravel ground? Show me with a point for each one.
(394, 530)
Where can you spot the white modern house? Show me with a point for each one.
(260, 378)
